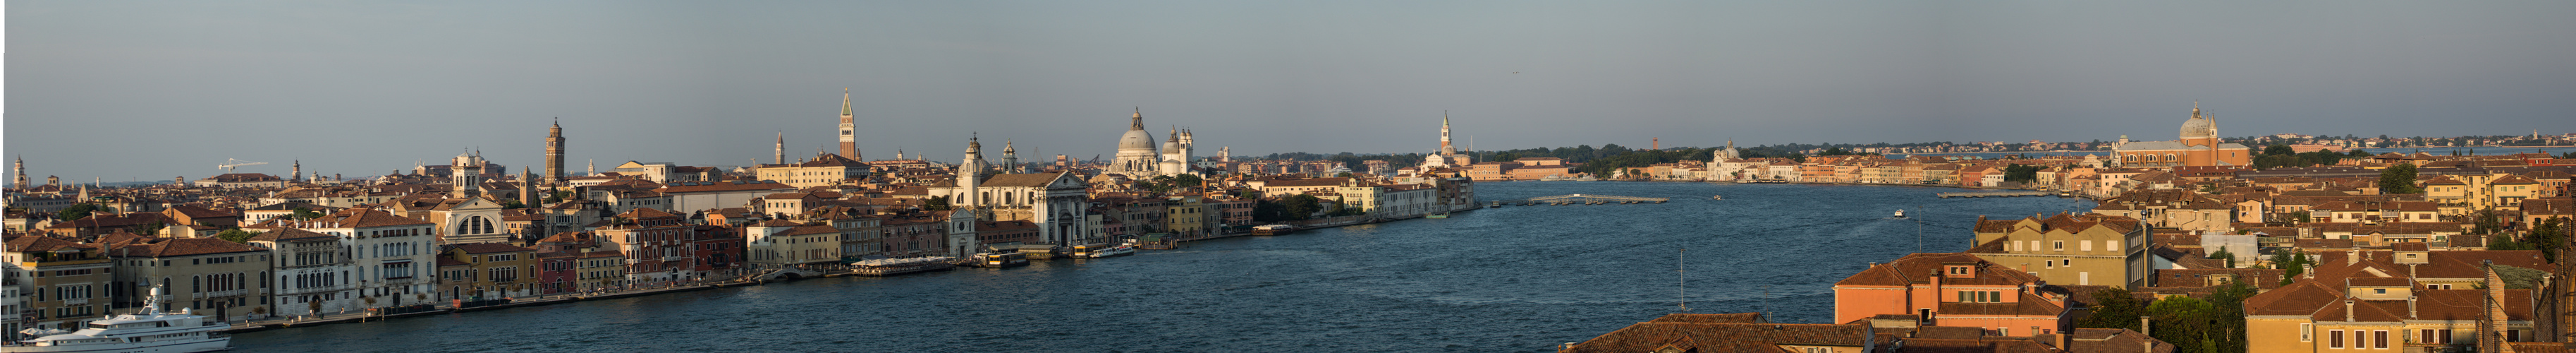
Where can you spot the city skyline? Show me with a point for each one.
(363, 89)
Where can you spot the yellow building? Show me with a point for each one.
(2466, 194)
(2380, 301)
(66, 282)
(1187, 216)
(2085, 249)
(487, 271)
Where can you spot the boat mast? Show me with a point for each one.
(1683, 272)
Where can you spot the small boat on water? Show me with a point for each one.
(1442, 215)
(998, 260)
(1900, 214)
(890, 267)
(150, 330)
(1115, 251)
(1274, 229)
(1717, 197)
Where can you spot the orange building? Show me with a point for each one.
(1954, 289)
(2199, 146)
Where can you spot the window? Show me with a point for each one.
(2085, 245)
(2057, 244)
(2334, 338)
(2379, 339)
(2307, 332)
(2445, 336)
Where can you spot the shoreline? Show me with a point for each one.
(285, 323)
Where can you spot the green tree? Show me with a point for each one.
(2022, 173)
(302, 213)
(76, 212)
(2114, 308)
(2292, 263)
(149, 229)
(557, 196)
(235, 235)
(1187, 180)
(2278, 149)
(2227, 326)
(2506, 242)
(2398, 179)
(512, 204)
(935, 203)
(2185, 322)
(2222, 255)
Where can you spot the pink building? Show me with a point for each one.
(1956, 290)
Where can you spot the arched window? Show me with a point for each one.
(2169, 157)
(2129, 158)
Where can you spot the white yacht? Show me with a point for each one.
(1116, 251)
(1900, 214)
(148, 331)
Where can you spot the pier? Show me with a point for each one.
(1587, 199)
(1995, 194)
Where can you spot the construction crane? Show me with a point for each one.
(230, 163)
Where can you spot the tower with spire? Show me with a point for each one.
(21, 180)
(1445, 148)
(555, 153)
(849, 129)
(778, 152)
(970, 172)
(298, 172)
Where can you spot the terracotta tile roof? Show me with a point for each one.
(724, 186)
(362, 218)
(1019, 180)
(1918, 267)
(181, 247)
(288, 234)
(809, 230)
(38, 243)
(1736, 318)
(1724, 337)
(487, 248)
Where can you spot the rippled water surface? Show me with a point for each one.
(1491, 280)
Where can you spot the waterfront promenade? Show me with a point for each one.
(1531, 277)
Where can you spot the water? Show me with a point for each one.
(1491, 280)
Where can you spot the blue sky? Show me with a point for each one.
(150, 90)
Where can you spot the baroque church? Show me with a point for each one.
(1138, 158)
(2199, 146)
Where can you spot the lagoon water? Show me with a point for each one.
(1492, 280)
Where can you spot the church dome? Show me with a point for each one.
(2199, 127)
(1136, 139)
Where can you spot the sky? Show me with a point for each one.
(130, 90)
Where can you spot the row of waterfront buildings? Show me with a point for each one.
(2371, 269)
(244, 246)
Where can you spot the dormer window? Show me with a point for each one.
(1960, 271)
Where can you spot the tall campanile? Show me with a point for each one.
(554, 153)
(849, 129)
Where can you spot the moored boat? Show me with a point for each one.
(1274, 229)
(998, 260)
(1115, 251)
(1900, 214)
(150, 330)
(890, 267)
(1442, 215)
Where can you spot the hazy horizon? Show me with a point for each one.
(151, 90)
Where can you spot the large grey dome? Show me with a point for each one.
(1136, 139)
(2199, 126)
